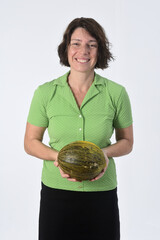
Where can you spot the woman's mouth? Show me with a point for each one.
(82, 60)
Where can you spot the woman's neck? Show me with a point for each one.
(80, 81)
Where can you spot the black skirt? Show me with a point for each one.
(78, 215)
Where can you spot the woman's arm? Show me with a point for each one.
(33, 143)
(33, 146)
(124, 144)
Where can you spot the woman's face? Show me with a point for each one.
(82, 51)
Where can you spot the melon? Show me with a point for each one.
(82, 160)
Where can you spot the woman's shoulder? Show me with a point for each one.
(51, 85)
(110, 85)
(115, 91)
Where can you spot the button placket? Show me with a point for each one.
(80, 126)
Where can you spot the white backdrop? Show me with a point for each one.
(30, 33)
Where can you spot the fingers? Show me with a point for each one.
(106, 158)
(103, 171)
(99, 176)
(63, 174)
(56, 163)
(72, 180)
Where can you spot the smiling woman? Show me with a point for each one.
(80, 106)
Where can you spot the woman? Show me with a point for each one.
(80, 105)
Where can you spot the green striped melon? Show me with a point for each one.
(82, 160)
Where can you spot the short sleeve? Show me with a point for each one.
(123, 116)
(37, 113)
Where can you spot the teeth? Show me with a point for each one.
(82, 60)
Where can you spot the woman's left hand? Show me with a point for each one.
(103, 171)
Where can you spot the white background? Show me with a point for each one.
(30, 32)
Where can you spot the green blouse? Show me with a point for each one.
(106, 106)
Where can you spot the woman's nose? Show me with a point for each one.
(85, 49)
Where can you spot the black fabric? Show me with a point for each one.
(78, 215)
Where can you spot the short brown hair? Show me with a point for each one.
(96, 31)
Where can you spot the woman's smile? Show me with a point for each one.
(82, 60)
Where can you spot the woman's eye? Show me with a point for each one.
(93, 45)
(75, 44)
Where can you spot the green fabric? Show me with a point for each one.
(106, 106)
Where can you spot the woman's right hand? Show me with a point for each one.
(63, 174)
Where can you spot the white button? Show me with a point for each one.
(80, 116)
(80, 129)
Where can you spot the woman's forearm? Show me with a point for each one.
(37, 149)
(120, 148)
